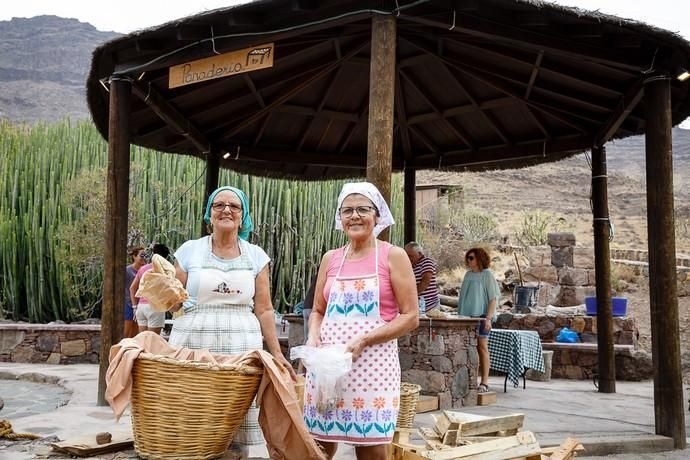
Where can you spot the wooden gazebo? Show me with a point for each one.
(312, 89)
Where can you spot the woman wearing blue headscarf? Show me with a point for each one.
(229, 308)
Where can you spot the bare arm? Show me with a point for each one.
(404, 289)
(263, 309)
(424, 282)
(319, 306)
(133, 288)
(182, 276)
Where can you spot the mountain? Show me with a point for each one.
(44, 62)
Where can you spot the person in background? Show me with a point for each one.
(229, 310)
(137, 255)
(365, 299)
(148, 319)
(309, 304)
(478, 298)
(424, 269)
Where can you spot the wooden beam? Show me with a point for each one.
(410, 205)
(381, 106)
(463, 109)
(663, 300)
(324, 98)
(117, 208)
(519, 151)
(351, 131)
(508, 33)
(602, 265)
(170, 115)
(212, 172)
(458, 131)
(315, 112)
(627, 104)
(533, 75)
(537, 121)
(287, 95)
(252, 87)
(570, 75)
(402, 118)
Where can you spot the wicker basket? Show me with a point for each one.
(186, 410)
(409, 395)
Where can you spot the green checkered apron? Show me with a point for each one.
(223, 320)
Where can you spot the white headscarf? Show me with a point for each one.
(370, 191)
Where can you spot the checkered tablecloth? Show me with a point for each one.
(513, 351)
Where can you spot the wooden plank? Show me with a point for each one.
(565, 450)
(441, 423)
(222, 65)
(425, 403)
(473, 425)
(514, 446)
(450, 437)
(86, 446)
(485, 399)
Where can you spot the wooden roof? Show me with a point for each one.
(480, 84)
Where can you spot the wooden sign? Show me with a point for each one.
(222, 65)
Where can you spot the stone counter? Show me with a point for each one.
(440, 355)
(50, 343)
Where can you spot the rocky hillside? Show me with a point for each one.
(44, 61)
(562, 188)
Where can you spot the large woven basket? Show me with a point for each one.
(187, 410)
(409, 396)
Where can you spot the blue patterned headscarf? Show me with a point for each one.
(246, 226)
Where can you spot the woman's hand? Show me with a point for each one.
(356, 346)
(285, 364)
(487, 325)
(313, 342)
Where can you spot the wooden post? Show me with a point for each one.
(410, 205)
(117, 206)
(663, 301)
(212, 170)
(381, 101)
(602, 265)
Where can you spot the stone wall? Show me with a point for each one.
(565, 273)
(625, 331)
(443, 360)
(50, 343)
(580, 361)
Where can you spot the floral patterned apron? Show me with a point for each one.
(368, 409)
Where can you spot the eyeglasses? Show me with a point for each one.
(469, 258)
(219, 207)
(361, 211)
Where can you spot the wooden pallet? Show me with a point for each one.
(457, 435)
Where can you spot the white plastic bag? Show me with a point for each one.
(329, 364)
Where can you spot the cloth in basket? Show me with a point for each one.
(280, 417)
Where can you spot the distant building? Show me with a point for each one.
(432, 200)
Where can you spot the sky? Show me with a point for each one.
(119, 17)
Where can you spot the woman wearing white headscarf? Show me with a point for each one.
(365, 298)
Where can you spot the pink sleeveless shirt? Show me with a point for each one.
(388, 305)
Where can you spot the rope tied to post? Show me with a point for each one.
(7, 432)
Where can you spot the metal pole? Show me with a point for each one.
(602, 265)
(117, 206)
(381, 102)
(669, 418)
